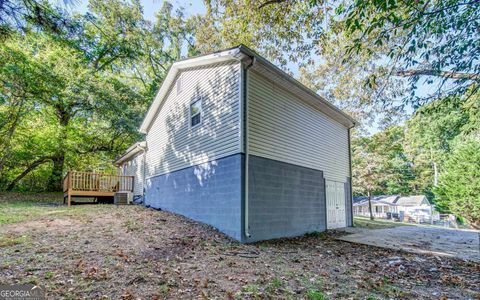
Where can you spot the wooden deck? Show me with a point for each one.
(85, 184)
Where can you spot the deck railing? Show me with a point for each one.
(96, 182)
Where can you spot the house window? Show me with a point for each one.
(196, 113)
(179, 84)
(377, 210)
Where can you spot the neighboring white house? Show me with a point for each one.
(381, 205)
(235, 142)
(409, 208)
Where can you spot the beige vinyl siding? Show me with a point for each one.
(283, 127)
(135, 167)
(173, 144)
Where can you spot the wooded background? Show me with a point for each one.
(75, 86)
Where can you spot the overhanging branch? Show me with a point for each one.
(29, 169)
(267, 3)
(444, 74)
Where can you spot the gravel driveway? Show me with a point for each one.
(463, 244)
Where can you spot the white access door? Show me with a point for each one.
(335, 194)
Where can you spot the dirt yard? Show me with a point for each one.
(130, 252)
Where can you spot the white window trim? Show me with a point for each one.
(197, 99)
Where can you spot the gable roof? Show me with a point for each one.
(262, 65)
(383, 199)
(394, 200)
(413, 200)
(130, 152)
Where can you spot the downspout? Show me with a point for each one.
(144, 149)
(350, 192)
(245, 130)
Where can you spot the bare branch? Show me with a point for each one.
(444, 74)
(270, 2)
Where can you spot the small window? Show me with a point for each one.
(179, 84)
(196, 113)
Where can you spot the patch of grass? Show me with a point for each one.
(164, 290)
(251, 288)
(52, 197)
(274, 286)
(20, 211)
(9, 219)
(312, 282)
(132, 226)
(32, 280)
(277, 282)
(364, 222)
(314, 287)
(14, 212)
(12, 241)
(48, 275)
(316, 295)
(392, 291)
(385, 288)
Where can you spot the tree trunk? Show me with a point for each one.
(435, 168)
(6, 139)
(29, 169)
(55, 180)
(370, 205)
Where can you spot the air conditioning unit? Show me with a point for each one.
(123, 198)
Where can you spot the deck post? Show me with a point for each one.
(84, 184)
(69, 188)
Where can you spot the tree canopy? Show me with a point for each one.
(369, 56)
(458, 190)
(435, 39)
(73, 97)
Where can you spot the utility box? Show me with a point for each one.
(123, 198)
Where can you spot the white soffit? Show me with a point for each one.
(131, 151)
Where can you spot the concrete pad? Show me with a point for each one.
(463, 244)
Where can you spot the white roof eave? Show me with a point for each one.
(322, 104)
(239, 53)
(172, 74)
(131, 151)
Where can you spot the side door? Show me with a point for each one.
(341, 217)
(335, 197)
(331, 204)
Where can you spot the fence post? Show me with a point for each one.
(69, 188)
